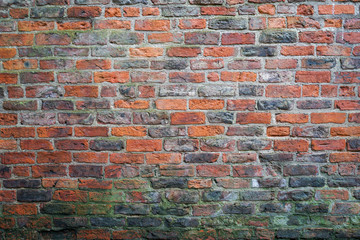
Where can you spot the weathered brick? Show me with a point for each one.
(75, 166)
(278, 37)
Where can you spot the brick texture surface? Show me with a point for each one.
(179, 119)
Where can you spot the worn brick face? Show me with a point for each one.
(175, 119)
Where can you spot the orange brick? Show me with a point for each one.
(171, 104)
(7, 52)
(143, 145)
(206, 104)
(163, 158)
(182, 118)
(328, 117)
(146, 52)
(291, 145)
(278, 131)
(136, 104)
(136, 131)
(204, 131)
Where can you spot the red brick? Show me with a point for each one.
(329, 91)
(19, 13)
(90, 157)
(347, 104)
(241, 105)
(81, 91)
(146, 52)
(204, 131)
(322, 145)
(310, 90)
(333, 51)
(238, 76)
(192, 23)
(94, 184)
(278, 131)
(247, 171)
(326, 9)
(219, 51)
(112, 24)
(336, 23)
(17, 132)
(93, 64)
(40, 171)
(291, 145)
(21, 171)
(316, 37)
(283, 91)
(52, 39)
(7, 119)
(328, 117)
(134, 131)
(54, 157)
(344, 157)
(72, 144)
(297, 50)
(28, 26)
(70, 195)
(20, 209)
(84, 12)
(249, 118)
(15, 92)
(129, 158)
(199, 183)
(277, 22)
(8, 78)
(8, 144)
(49, 132)
(143, 145)
(81, 25)
(20, 64)
(152, 25)
(344, 9)
(7, 195)
(232, 183)
(171, 104)
(305, 10)
(313, 77)
(7, 52)
(181, 118)
(91, 131)
(163, 37)
(18, 158)
(218, 11)
(113, 12)
(183, 52)
(163, 158)
(237, 38)
(267, 9)
(36, 144)
(345, 131)
(131, 12)
(280, 63)
(213, 170)
(136, 104)
(204, 104)
(111, 77)
(16, 39)
(150, 11)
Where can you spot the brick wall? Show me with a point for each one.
(176, 119)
